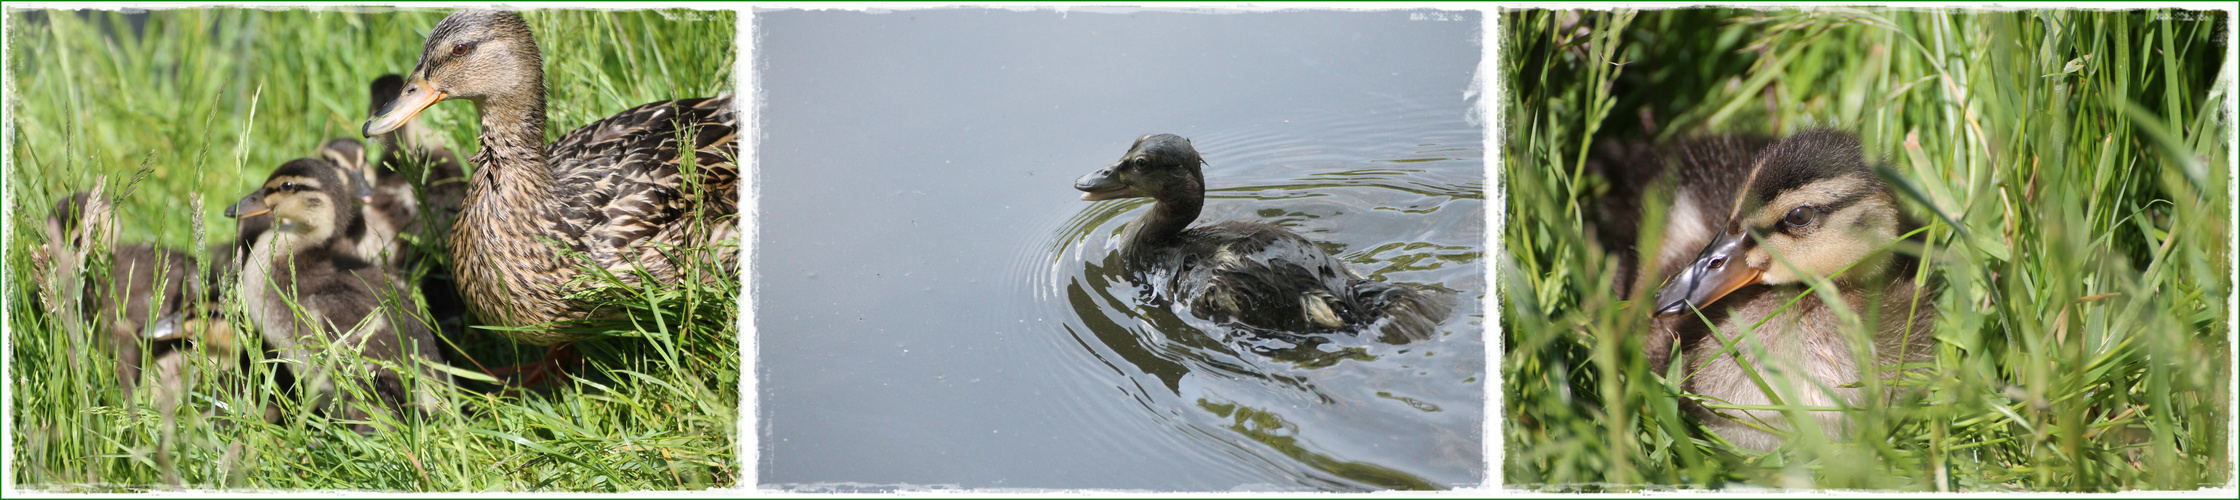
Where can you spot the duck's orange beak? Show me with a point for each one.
(416, 96)
(1719, 270)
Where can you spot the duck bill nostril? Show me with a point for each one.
(1101, 185)
(417, 96)
(1709, 278)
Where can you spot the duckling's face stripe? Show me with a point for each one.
(300, 205)
(1810, 207)
(1823, 229)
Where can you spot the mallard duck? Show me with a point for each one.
(1254, 274)
(304, 289)
(617, 190)
(1752, 222)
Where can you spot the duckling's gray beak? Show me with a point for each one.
(417, 96)
(1103, 184)
(166, 328)
(364, 190)
(253, 203)
(249, 206)
(1719, 270)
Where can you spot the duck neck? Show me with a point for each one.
(1166, 220)
(513, 149)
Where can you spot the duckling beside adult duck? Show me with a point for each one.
(392, 206)
(304, 289)
(1255, 274)
(1752, 223)
(622, 190)
(137, 309)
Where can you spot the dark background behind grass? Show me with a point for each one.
(2072, 169)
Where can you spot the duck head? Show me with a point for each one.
(1160, 166)
(486, 56)
(308, 198)
(1811, 208)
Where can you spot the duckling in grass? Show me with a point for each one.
(391, 207)
(306, 292)
(1254, 274)
(1753, 223)
(139, 303)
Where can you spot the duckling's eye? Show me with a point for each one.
(287, 187)
(1801, 217)
(461, 49)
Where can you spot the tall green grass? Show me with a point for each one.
(2072, 170)
(207, 102)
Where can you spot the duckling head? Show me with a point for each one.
(1160, 166)
(308, 199)
(1811, 208)
(486, 56)
(349, 156)
(84, 219)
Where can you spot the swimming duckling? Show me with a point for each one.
(1752, 221)
(1254, 274)
(304, 262)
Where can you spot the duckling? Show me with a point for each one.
(1752, 221)
(303, 261)
(412, 152)
(622, 190)
(412, 157)
(1254, 274)
(391, 208)
(135, 311)
(351, 240)
(374, 235)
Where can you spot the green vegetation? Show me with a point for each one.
(2072, 170)
(204, 103)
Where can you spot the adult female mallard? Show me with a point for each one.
(626, 191)
(1752, 223)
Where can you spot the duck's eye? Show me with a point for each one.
(287, 186)
(461, 49)
(1800, 217)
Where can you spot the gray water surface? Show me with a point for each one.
(936, 307)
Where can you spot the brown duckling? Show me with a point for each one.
(614, 190)
(391, 207)
(1254, 274)
(139, 308)
(408, 153)
(1752, 223)
(304, 289)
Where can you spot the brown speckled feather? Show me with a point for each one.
(617, 191)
